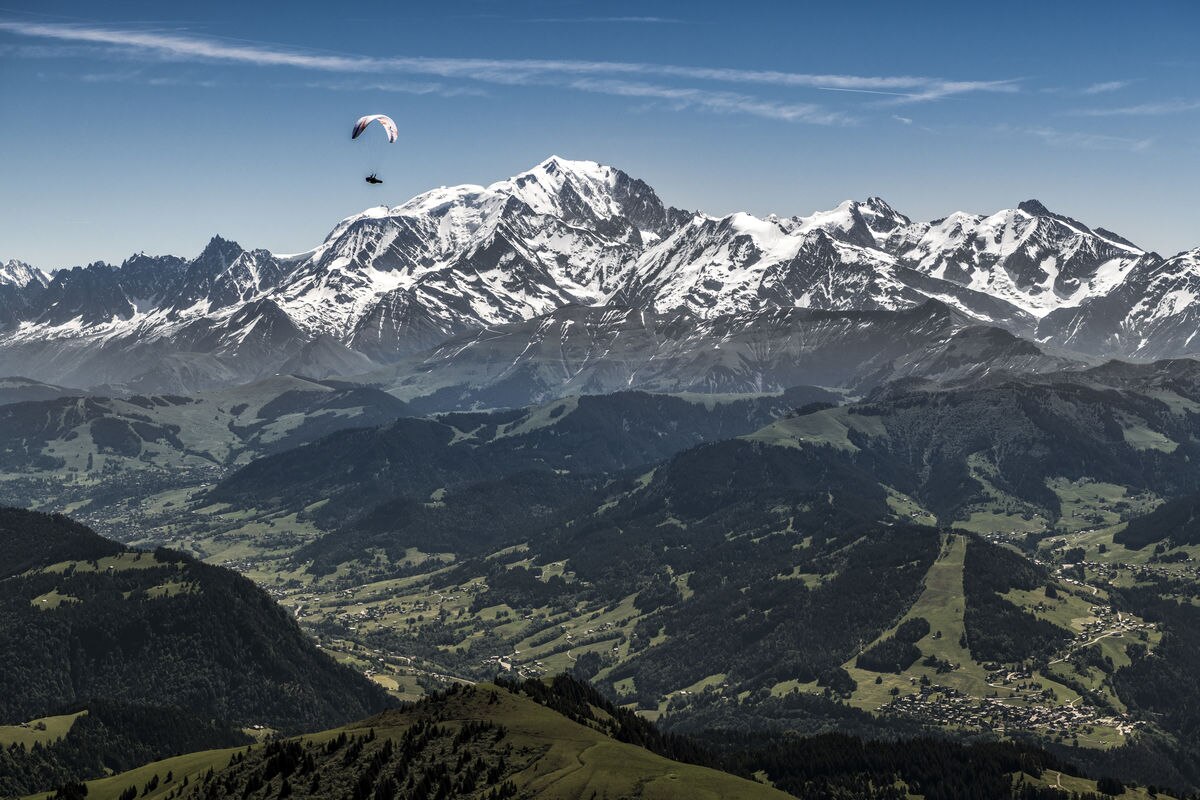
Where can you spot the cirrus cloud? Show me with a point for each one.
(618, 78)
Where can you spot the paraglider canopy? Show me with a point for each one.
(382, 119)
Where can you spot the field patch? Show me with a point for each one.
(830, 427)
(44, 730)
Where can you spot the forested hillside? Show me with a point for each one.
(162, 652)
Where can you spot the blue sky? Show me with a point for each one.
(157, 125)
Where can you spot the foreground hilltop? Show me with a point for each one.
(559, 739)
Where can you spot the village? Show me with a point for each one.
(946, 706)
(1022, 700)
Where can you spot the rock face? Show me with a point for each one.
(528, 253)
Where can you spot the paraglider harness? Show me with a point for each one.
(372, 179)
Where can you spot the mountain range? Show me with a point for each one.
(574, 276)
(761, 481)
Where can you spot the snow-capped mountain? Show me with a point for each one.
(1028, 256)
(1009, 268)
(399, 279)
(394, 282)
(713, 266)
(1153, 313)
(21, 287)
(21, 275)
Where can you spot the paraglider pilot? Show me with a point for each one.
(389, 128)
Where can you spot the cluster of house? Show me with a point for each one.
(944, 705)
(1143, 572)
(527, 667)
(1109, 622)
(510, 663)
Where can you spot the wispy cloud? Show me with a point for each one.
(562, 72)
(902, 120)
(862, 91)
(1106, 86)
(112, 77)
(399, 87)
(719, 102)
(1082, 140)
(943, 89)
(1142, 110)
(165, 81)
(632, 20)
(139, 77)
(55, 50)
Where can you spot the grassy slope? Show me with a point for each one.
(830, 427)
(942, 603)
(1071, 783)
(191, 765)
(577, 761)
(52, 729)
